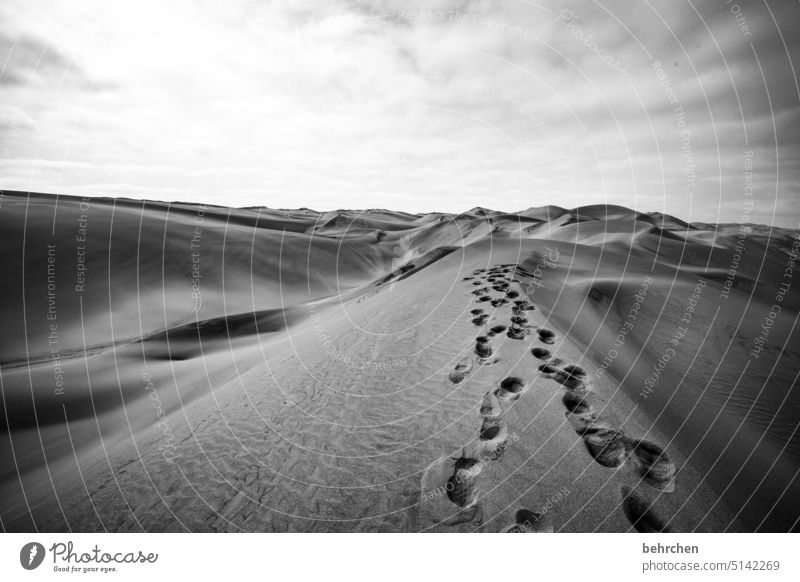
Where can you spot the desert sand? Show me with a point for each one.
(172, 367)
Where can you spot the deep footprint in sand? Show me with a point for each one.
(517, 332)
(476, 311)
(568, 377)
(575, 371)
(546, 336)
(511, 388)
(480, 320)
(586, 423)
(462, 368)
(492, 439)
(578, 402)
(548, 369)
(653, 464)
(640, 513)
(490, 407)
(606, 446)
(528, 521)
(541, 354)
(462, 487)
(484, 351)
(493, 434)
(521, 306)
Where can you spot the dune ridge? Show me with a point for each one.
(177, 367)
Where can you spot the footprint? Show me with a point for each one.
(490, 407)
(547, 368)
(462, 368)
(484, 298)
(492, 439)
(587, 423)
(606, 446)
(484, 350)
(517, 332)
(511, 388)
(575, 371)
(542, 354)
(477, 282)
(546, 336)
(476, 311)
(438, 486)
(567, 380)
(499, 328)
(492, 430)
(640, 513)
(528, 521)
(577, 402)
(481, 319)
(512, 294)
(519, 320)
(653, 464)
(462, 487)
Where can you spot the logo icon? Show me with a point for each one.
(31, 555)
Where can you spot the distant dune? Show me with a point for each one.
(173, 367)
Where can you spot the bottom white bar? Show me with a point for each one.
(388, 557)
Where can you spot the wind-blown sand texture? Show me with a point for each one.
(382, 371)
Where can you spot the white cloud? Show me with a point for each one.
(414, 106)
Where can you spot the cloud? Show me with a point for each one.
(416, 106)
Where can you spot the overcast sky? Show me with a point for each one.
(408, 106)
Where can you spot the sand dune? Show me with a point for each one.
(177, 367)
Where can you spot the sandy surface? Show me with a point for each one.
(305, 371)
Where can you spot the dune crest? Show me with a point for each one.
(179, 367)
